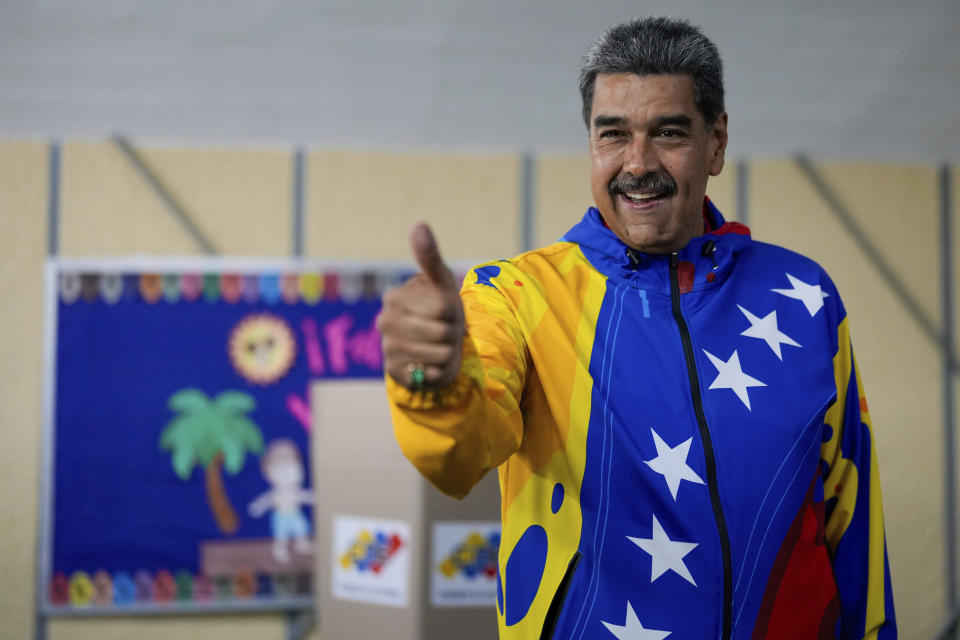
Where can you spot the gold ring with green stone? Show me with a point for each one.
(418, 375)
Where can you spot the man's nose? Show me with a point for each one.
(641, 157)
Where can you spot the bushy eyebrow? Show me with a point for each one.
(609, 121)
(678, 120)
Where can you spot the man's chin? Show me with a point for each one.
(652, 238)
(654, 246)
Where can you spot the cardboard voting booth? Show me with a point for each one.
(396, 558)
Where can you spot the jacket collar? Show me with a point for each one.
(703, 263)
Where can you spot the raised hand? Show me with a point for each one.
(421, 324)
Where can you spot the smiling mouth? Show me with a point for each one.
(644, 197)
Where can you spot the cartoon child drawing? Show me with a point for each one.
(282, 467)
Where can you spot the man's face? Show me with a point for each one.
(650, 156)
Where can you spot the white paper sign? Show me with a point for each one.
(463, 564)
(371, 560)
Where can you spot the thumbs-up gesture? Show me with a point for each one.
(421, 324)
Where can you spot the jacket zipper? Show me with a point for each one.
(556, 605)
(707, 447)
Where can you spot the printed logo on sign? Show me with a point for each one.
(475, 556)
(464, 571)
(371, 560)
(371, 550)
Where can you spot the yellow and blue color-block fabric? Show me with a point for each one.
(682, 442)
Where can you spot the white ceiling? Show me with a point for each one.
(877, 79)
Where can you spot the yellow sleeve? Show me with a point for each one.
(455, 435)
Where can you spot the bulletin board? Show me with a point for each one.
(176, 447)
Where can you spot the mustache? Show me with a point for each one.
(660, 183)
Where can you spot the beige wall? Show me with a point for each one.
(23, 248)
(360, 205)
(240, 200)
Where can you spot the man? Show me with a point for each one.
(682, 440)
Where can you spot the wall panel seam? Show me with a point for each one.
(527, 169)
(299, 161)
(742, 197)
(949, 371)
(53, 199)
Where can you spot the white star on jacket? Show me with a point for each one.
(811, 295)
(665, 554)
(631, 629)
(731, 376)
(766, 329)
(672, 463)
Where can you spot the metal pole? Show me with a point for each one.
(41, 548)
(164, 194)
(949, 371)
(743, 199)
(527, 166)
(298, 189)
(44, 538)
(53, 199)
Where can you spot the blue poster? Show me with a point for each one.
(181, 423)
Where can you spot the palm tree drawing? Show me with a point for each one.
(216, 435)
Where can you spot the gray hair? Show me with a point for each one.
(657, 46)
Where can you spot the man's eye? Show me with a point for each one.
(671, 133)
(611, 133)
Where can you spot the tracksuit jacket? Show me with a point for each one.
(683, 443)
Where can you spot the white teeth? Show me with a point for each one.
(642, 196)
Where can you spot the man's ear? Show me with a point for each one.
(717, 144)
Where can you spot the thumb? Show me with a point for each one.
(427, 254)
